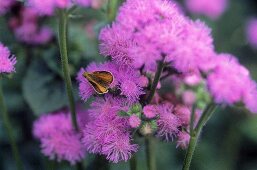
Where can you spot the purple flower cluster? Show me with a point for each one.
(251, 31)
(5, 5)
(7, 61)
(143, 34)
(212, 9)
(230, 83)
(26, 27)
(58, 138)
(48, 7)
(107, 133)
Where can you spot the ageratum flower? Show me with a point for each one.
(230, 83)
(183, 140)
(134, 121)
(58, 138)
(251, 32)
(5, 5)
(107, 133)
(150, 111)
(26, 27)
(168, 123)
(212, 9)
(148, 31)
(7, 61)
(48, 7)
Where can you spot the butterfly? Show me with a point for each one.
(100, 80)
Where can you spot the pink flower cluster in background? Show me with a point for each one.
(27, 29)
(5, 5)
(7, 61)
(251, 32)
(210, 8)
(48, 7)
(58, 138)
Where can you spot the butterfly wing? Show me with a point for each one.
(105, 76)
(100, 80)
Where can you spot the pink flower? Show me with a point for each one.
(183, 113)
(150, 111)
(212, 9)
(116, 42)
(83, 2)
(7, 61)
(58, 138)
(251, 31)
(188, 97)
(26, 28)
(183, 140)
(107, 133)
(134, 121)
(168, 123)
(48, 7)
(5, 5)
(144, 32)
(228, 81)
(188, 56)
(119, 148)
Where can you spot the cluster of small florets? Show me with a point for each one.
(251, 32)
(7, 61)
(48, 7)
(5, 6)
(58, 139)
(25, 25)
(143, 34)
(211, 9)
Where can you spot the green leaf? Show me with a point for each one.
(249, 128)
(43, 90)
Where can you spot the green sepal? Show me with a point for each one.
(136, 108)
(153, 124)
(122, 113)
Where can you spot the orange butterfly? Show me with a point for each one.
(100, 80)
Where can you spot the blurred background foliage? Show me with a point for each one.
(228, 142)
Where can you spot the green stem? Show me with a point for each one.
(149, 143)
(209, 110)
(63, 31)
(9, 129)
(156, 80)
(192, 119)
(112, 7)
(133, 163)
(150, 153)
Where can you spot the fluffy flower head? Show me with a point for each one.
(58, 138)
(7, 62)
(212, 9)
(251, 31)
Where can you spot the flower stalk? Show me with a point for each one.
(156, 80)
(194, 134)
(150, 150)
(9, 129)
(63, 33)
(150, 153)
(133, 163)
